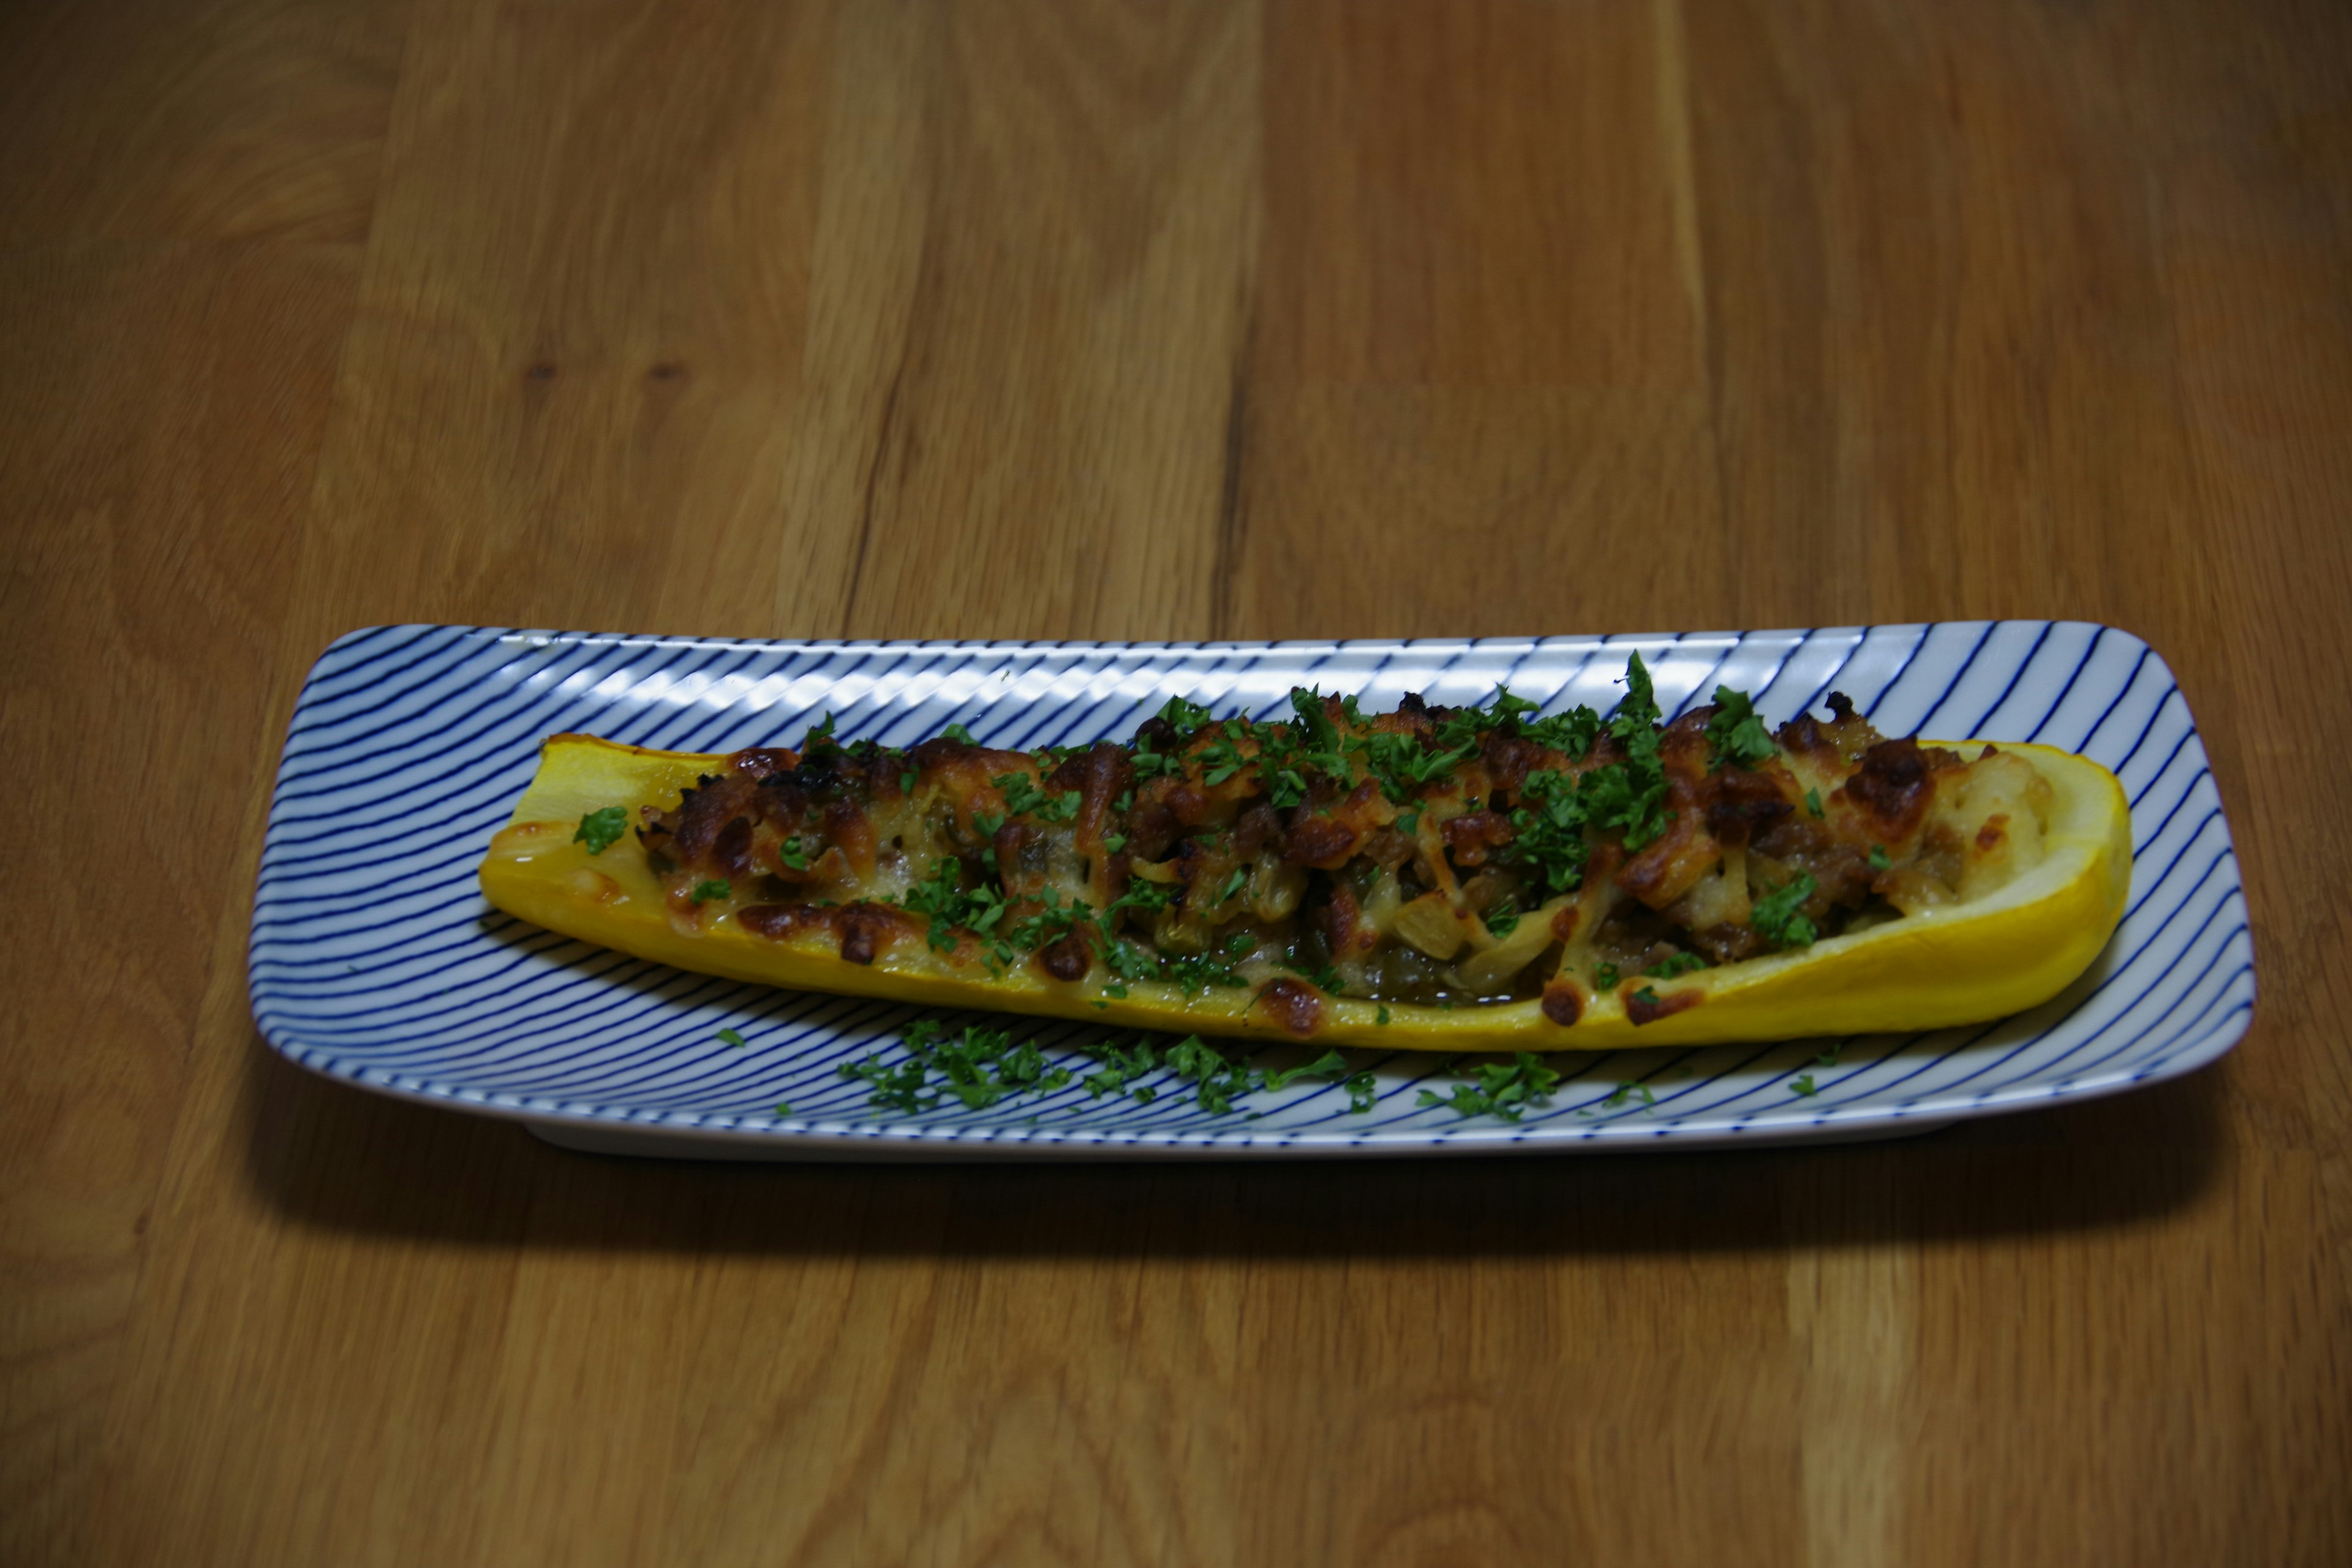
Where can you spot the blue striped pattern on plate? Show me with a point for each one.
(375, 958)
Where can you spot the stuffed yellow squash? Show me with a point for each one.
(1441, 878)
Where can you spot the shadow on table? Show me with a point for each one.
(326, 1155)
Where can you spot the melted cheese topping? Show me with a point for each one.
(1380, 875)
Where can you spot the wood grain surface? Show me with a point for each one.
(1170, 320)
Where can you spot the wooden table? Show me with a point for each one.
(1173, 321)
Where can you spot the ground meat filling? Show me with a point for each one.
(1436, 855)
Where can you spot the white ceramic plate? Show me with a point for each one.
(375, 960)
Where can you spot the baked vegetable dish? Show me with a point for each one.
(1446, 878)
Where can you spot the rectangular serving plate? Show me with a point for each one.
(375, 960)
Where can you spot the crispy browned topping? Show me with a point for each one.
(1430, 855)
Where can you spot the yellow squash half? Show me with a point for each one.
(2012, 949)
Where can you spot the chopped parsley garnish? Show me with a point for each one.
(977, 1068)
(941, 898)
(1382, 1017)
(1022, 797)
(1182, 716)
(1629, 797)
(1233, 884)
(1677, 963)
(1559, 810)
(1463, 727)
(1506, 707)
(706, 892)
(1878, 858)
(1121, 1066)
(1285, 787)
(1736, 735)
(1802, 1086)
(1647, 996)
(1330, 1064)
(1629, 1089)
(958, 733)
(1778, 917)
(1400, 763)
(1149, 763)
(1286, 753)
(600, 830)
(1049, 925)
(730, 1038)
(985, 824)
(1324, 750)
(1145, 898)
(1813, 801)
(1503, 1089)
(794, 853)
(1130, 961)
(1196, 972)
(1639, 708)
(1604, 977)
(1551, 830)
(1220, 760)
(1216, 1077)
(1325, 978)
(1572, 731)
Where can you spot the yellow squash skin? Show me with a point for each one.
(2014, 948)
